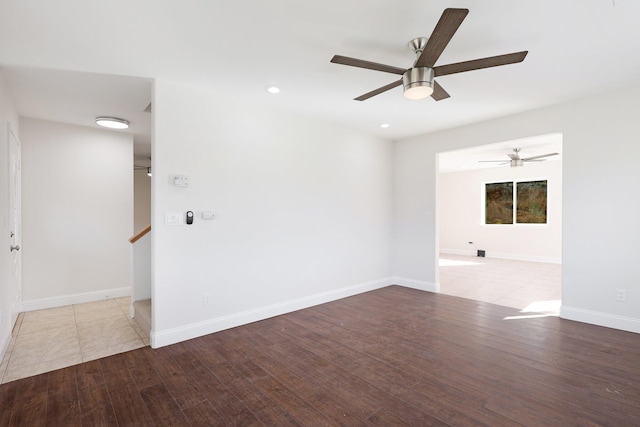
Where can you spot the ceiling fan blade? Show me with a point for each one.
(494, 161)
(360, 63)
(378, 91)
(478, 64)
(514, 156)
(528, 159)
(438, 92)
(443, 32)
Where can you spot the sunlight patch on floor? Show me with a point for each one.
(538, 309)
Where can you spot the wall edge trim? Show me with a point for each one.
(417, 284)
(217, 324)
(598, 318)
(79, 298)
(515, 257)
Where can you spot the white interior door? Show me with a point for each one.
(15, 226)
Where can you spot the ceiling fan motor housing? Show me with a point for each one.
(418, 82)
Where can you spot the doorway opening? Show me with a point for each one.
(15, 226)
(514, 264)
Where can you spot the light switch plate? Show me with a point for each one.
(173, 218)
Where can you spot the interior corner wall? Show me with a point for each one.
(303, 213)
(600, 209)
(460, 208)
(8, 117)
(77, 206)
(141, 200)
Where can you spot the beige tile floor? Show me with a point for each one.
(532, 287)
(45, 340)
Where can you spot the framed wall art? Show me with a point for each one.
(529, 199)
(499, 203)
(531, 202)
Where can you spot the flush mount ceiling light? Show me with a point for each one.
(273, 89)
(384, 125)
(112, 122)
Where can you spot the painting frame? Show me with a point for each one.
(499, 203)
(531, 202)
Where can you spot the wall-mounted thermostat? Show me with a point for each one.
(181, 181)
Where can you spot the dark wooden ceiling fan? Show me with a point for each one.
(418, 81)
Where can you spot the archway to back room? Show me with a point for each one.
(500, 224)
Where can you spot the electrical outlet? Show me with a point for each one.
(621, 295)
(206, 300)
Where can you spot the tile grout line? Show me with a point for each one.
(137, 343)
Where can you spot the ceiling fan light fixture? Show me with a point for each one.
(516, 163)
(418, 82)
(112, 122)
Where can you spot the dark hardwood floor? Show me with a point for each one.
(390, 357)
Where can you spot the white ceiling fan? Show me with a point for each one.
(517, 161)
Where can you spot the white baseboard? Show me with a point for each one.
(467, 252)
(630, 324)
(516, 257)
(194, 330)
(59, 301)
(416, 284)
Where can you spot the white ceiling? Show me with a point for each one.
(79, 97)
(70, 61)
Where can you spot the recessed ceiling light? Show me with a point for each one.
(273, 89)
(112, 122)
(384, 125)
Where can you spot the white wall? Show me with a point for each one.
(600, 206)
(77, 193)
(303, 213)
(461, 212)
(8, 117)
(141, 269)
(141, 200)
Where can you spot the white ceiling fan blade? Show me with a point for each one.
(539, 157)
(499, 162)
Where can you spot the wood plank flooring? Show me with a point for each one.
(390, 357)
